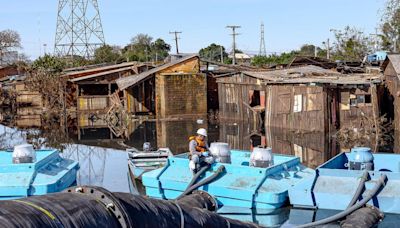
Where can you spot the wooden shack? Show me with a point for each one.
(89, 95)
(307, 98)
(391, 93)
(173, 89)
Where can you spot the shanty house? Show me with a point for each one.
(89, 94)
(307, 98)
(176, 88)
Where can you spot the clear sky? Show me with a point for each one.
(288, 23)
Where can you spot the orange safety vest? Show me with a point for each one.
(201, 145)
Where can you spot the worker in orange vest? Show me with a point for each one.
(198, 149)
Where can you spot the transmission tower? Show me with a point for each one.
(79, 29)
(263, 51)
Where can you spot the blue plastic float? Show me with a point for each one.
(241, 187)
(335, 182)
(50, 173)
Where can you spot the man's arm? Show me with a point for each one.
(192, 148)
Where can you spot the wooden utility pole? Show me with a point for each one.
(222, 54)
(176, 39)
(234, 34)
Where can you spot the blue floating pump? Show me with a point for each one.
(361, 158)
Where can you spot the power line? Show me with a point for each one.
(263, 51)
(176, 39)
(234, 34)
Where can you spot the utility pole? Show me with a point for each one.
(176, 39)
(375, 35)
(222, 54)
(263, 51)
(328, 49)
(234, 34)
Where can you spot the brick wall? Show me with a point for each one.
(181, 94)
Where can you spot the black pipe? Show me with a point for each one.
(363, 218)
(381, 183)
(97, 207)
(360, 189)
(208, 180)
(197, 175)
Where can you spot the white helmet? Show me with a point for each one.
(202, 132)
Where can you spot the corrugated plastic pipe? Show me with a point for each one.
(197, 175)
(208, 180)
(360, 189)
(381, 183)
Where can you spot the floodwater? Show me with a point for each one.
(103, 160)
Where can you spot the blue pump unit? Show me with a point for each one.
(361, 158)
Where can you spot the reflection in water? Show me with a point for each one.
(100, 166)
(103, 160)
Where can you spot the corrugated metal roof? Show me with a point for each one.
(100, 74)
(312, 74)
(121, 65)
(131, 80)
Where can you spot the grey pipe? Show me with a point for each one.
(360, 188)
(197, 175)
(208, 180)
(381, 182)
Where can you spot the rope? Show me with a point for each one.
(181, 213)
(46, 212)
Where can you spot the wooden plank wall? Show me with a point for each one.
(141, 98)
(234, 98)
(350, 117)
(280, 107)
(392, 84)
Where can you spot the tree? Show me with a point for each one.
(351, 44)
(283, 58)
(213, 52)
(143, 49)
(391, 26)
(49, 63)
(107, 54)
(9, 41)
(159, 49)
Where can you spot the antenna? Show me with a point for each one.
(234, 34)
(176, 39)
(263, 51)
(79, 29)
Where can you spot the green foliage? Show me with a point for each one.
(351, 44)
(159, 49)
(283, 58)
(213, 52)
(107, 54)
(49, 63)
(391, 26)
(143, 49)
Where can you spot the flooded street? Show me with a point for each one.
(103, 159)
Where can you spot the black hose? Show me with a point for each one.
(96, 207)
(360, 189)
(197, 175)
(365, 217)
(208, 180)
(381, 183)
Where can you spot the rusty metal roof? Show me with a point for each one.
(312, 74)
(131, 80)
